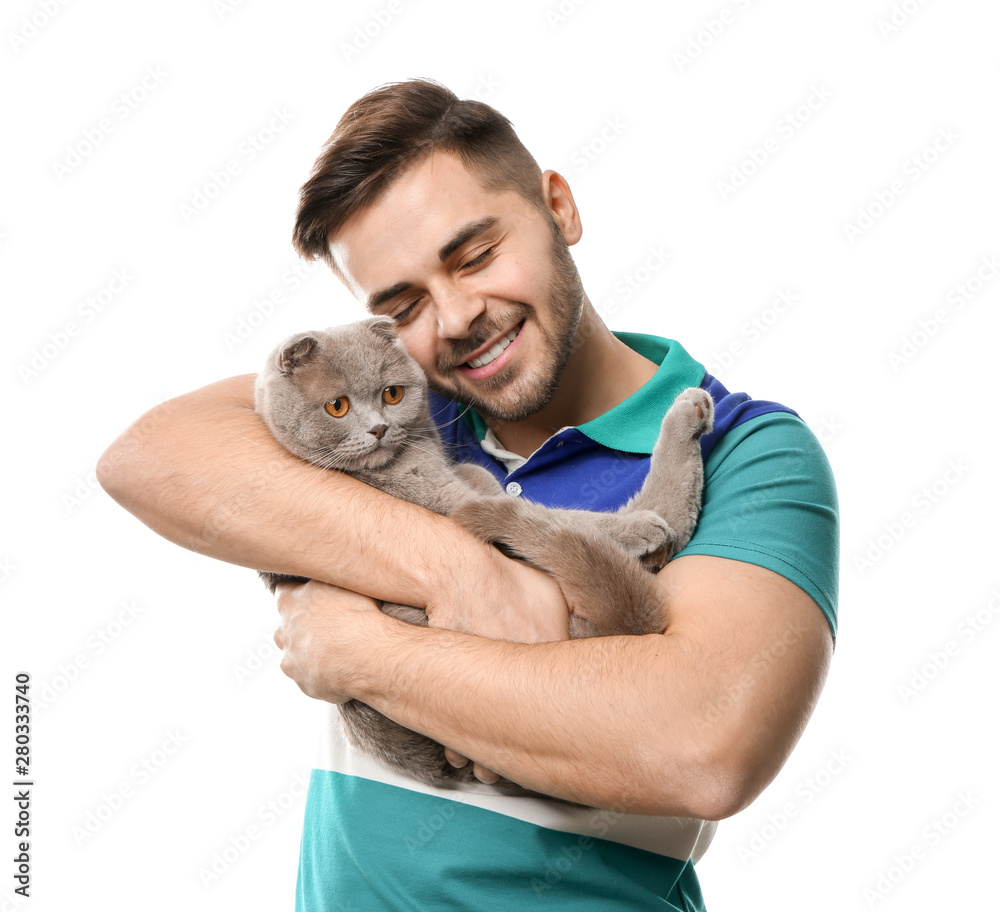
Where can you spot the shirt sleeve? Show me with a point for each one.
(770, 500)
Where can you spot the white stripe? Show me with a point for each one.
(677, 837)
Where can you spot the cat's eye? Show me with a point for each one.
(338, 407)
(392, 394)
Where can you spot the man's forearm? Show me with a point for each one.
(204, 471)
(595, 721)
(693, 722)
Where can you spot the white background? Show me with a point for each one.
(600, 91)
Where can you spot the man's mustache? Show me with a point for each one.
(479, 335)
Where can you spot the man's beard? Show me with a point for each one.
(529, 392)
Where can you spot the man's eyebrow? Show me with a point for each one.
(464, 234)
(380, 297)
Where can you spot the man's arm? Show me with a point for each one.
(204, 471)
(691, 723)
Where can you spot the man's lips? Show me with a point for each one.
(492, 357)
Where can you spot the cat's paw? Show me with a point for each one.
(646, 537)
(695, 410)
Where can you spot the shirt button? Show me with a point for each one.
(514, 489)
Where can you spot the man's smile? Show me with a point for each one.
(492, 357)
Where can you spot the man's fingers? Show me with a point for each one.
(485, 775)
(480, 772)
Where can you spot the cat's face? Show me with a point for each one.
(348, 398)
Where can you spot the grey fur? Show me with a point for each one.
(604, 563)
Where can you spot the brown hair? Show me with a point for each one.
(392, 128)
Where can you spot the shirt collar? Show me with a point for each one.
(633, 425)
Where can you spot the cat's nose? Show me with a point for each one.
(379, 431)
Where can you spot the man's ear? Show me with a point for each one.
(296, 352)
(561, 205)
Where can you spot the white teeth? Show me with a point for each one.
(494, 352)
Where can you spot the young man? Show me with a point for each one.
(431, 211)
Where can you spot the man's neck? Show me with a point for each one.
(601, 372)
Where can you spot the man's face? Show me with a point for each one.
(485, 295)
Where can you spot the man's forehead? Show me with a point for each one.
(417, 216)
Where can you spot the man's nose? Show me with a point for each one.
(456, 312)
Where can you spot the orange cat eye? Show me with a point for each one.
(392, 394)
(338, 407)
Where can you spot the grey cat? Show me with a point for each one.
(351, 398)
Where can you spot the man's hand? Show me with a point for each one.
(322, 635)
(525, 607)
(511, 601)
(322, 629)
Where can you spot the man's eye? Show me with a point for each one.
(403, 315)
(479, 260)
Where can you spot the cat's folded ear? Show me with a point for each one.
(384, 328)
(296, 352)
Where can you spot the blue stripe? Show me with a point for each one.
(572, 471)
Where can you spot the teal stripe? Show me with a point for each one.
(372, 847)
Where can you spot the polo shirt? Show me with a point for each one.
(375, 839)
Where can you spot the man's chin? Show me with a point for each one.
(514, 402)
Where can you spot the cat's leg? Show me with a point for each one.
(600, 581)
(271, 580)
(477, 478)
(407, 751)
(672, 488)
(644, 535)
(404, 613)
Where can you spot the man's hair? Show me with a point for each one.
(389, 130)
